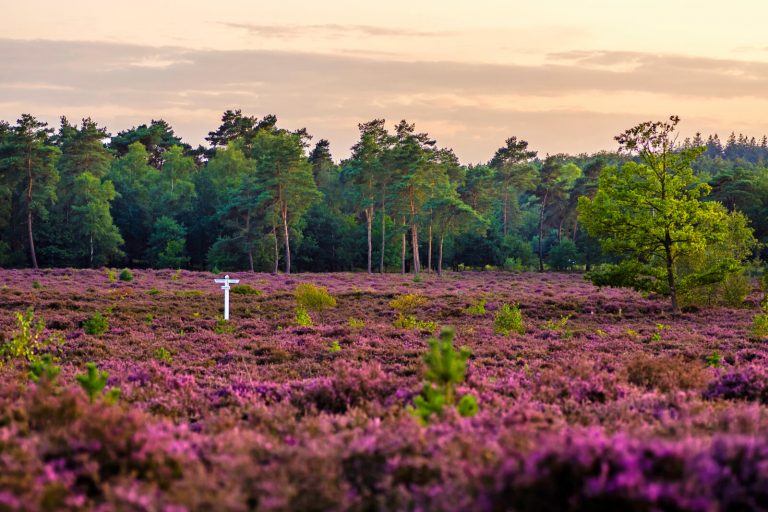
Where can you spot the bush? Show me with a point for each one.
(446, 368)
(96, 325)
(244, 289)
(564, 255)
(477, 309)
(356, 323)
(411, 322)
(94, 382)
(408, 303)
(163, 355)
(126, 275)
(509, 319)
(665, 373)
(28, 341)
(302, 317)
(313, 298)
(760, 324)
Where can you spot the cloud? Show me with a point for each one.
(331, 30)
(468, 104)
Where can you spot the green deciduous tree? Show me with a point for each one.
(91, 216)
(650, 212)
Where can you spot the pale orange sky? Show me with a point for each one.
(564, 75)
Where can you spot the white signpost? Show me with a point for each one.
(226, 287)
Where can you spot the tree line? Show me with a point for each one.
(263, 198)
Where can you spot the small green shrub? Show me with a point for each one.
(356, 323)
(446, 369)
(477, 309)
(408, 303)
(36, 285)
(760, 324)
(302, 317)
(313, 298)
(126, 275)
(149, 319)
(163, 356)
(153, 291)
(417, 278)
(176, 275)
(411, 322)
(334, 347)
(513, 265)
(28, 340)
(508, 319)
(714, 360)
(222, 327)
(244, 289)
(111, 275)
(658, 330)
(94, 382)
(43, 369)
(560, 326)
(96, 325)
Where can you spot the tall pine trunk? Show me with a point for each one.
(277, 250)
(414, 238)
(505, 212)
(440, 257)
(670, 271)
(32, 252)
(369, 226)
(429, 252)
(415, 247)
(90, 261)
(383, 236)
(284, 208)
(541, 232)
(402, 248)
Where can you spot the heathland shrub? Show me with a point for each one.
(446, 369)
(126, 275)
(509, 319)
(96, 325)
(665, 373)
(302, 317)
(356, 323)
(313, 298)
(28, 341)
(94, 382)
(244, 289)
(760, 323)
(477, 309)
(408, 303)
(43, 369)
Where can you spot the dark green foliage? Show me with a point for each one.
(446, 368)
(564, 256)
(94, 382)
(96, 325)
(126, 275)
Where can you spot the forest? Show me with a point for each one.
(264, 198)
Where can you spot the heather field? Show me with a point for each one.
(607, 401)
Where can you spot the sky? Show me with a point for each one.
(566, 76)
